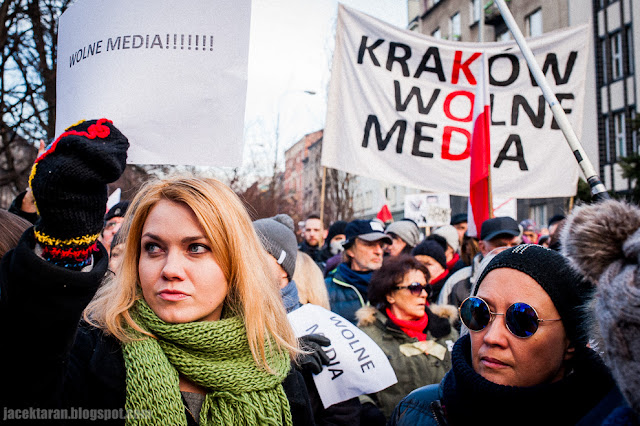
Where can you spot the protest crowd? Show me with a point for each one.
(179, 307)
(172, 308)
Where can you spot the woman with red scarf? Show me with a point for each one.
(416, 337)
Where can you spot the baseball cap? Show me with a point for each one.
(503, 225)
(117, 210)
(365, 230)
(458, 218)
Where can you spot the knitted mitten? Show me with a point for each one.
(69, 184)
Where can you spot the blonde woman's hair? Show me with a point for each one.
(253, 292)
(310, 282)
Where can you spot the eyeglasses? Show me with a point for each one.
(521, 319)
(415, 288)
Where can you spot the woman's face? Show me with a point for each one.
(180, 279)
(115, 257)
(396, 247)
(502, 358)
(435, 269)
(404, 305)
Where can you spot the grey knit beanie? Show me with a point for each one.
(279, 239)
(407, 230)
(602, 242)
(449, 233)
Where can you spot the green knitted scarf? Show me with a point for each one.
(213, 354)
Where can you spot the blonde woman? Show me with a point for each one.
(175, 336)
(310, 282)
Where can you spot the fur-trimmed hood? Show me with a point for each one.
(597, 235)
(602, 241)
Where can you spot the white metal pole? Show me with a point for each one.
(598, 191)
(481, 22)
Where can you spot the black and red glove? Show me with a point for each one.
(69, 183)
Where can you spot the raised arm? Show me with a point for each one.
(48, 279)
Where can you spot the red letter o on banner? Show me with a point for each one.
(446, 144)
(447, 105)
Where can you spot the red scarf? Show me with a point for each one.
(439, 277)
(453, 261)
(411, 328)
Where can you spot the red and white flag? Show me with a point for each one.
(479, 188)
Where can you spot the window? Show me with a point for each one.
(620, 134)
(455, 32)
(538, 214)
(628, 51)
(634, 134)
(616, 56)
(603, 46)
(437, 33)
(474, 11)
(534, 24)
(607, 142)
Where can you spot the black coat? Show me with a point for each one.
(49, 361)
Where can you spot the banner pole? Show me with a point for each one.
(491, 216)
(322, 194)
(598, 190)
(481, 22)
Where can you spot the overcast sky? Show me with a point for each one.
(290, 52)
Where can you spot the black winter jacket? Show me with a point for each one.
(586, 396)
(50, 359)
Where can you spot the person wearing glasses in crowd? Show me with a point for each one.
(525, 359)
(416, 337)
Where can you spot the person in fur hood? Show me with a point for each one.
(602, 242)
(417, 338)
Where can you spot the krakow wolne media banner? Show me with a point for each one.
(401, 108)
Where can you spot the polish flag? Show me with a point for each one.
(480, 183)
(385, 214)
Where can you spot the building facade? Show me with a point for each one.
(294, 171)
(615, 37)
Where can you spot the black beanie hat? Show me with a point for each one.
(432, 249)
(567, 290)
(336, 228)
(118, 210)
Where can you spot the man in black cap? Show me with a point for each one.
(363, 250)
(112, 223)
(459, 221)
(496, 232)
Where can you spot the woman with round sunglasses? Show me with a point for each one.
(415, 337)
(526, 357)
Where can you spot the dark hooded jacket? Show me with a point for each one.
(53, 360)
(585, 396)
(412, 369)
